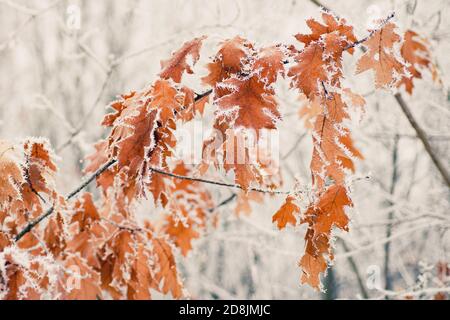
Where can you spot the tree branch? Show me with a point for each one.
(91, 178)
(224, 202)
(110, 163)
(217, 183)
(355, 270)
(387, 246)
(423, 138)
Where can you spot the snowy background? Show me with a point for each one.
(61, 62)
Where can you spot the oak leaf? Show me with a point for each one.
(10, 174)
(332, 24)
(174, 67)
(416, 53)
(381, 57)
(327, 212)
(286, 214)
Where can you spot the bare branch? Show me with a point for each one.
(83, 121)
(217, 183)
(423, 138)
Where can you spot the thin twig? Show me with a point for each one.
(86, 117)
(202, 95)
(112, 162)
(389, 227)
(217, 183)
(224, 202)
(32, 16)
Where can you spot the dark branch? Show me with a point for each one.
(423, 138)
(91, 178)
(217, 183)
(201, 95)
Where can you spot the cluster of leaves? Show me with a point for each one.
(99, 249)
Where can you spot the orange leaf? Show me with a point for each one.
(286, 214)
(327, 212)
(174, 67)
(381, 57)
(417, 55)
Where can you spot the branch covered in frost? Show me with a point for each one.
(111, 162)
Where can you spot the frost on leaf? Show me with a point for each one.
(332, 24)
(318, 76)
(40, 168)
(27, 177)
(141, 138)
(166, 274)
(243, 80)
(327, 212)
(174, 67)
(81, 281)
(319, 64)
(334, 150)
(228, 61)
(24, 276)
(416, 53)
(309, 72)
(382, 58)
(11, 174)
(126, 268)
(256, 105)
(190, 204)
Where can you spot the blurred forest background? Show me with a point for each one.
(62, 62)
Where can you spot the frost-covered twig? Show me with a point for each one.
(110, 163)
(217, 183)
